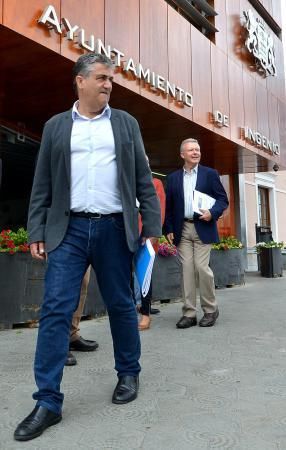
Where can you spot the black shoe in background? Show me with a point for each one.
(186, 322)
(83, 345)
(71, 360)
(209, 319)
(154, 311)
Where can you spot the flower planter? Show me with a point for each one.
(21, 288)
(166, 278)
(284, 259)
(271, 262)
(227, 266)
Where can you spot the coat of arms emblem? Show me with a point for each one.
(260, 44)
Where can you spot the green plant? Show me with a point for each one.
(270, 244)
(227, 243)
(14, 241)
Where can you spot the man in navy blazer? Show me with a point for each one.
(91, 168)
(194, 233)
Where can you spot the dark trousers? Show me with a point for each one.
(101, 243)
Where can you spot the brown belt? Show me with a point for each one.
(189, 220)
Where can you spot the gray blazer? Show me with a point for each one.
(50, 198)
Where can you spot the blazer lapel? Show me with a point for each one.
(115, 124)
(66, 136)
(181, 185)
(199, 174)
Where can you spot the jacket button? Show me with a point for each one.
(67, 213)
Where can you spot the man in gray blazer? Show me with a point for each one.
(91, 168)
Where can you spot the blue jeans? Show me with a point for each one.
(101, 243)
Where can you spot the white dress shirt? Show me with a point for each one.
(94, 180)
(190, 181)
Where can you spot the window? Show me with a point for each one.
(263, 207)
(200, 13)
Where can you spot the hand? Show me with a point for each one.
(170, 237)
(37, 250)
(153, 240)
(206, 215)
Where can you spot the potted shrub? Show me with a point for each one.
(271, 262)
(226, 262)
(167, 272)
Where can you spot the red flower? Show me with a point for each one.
(10, 244)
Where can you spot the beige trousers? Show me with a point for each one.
(74, 332)
(195, 256)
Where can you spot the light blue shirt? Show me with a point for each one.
(190, 181)
(94, 179)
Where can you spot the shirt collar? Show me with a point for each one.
(194, 170)
(77, 115)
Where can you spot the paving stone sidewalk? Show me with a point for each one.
(218, 388)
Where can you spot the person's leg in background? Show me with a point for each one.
(78, 343)
(145, 309)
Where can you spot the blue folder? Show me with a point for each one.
(144, 260)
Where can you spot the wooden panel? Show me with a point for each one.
(154, 44)
(201, 78)
(219, 70)
(236, 108)
(226, 225)
(221, 24)
(123, 35)
(247, 57)
(22, 17)
(249, 102)
(282, 126)
(277, 84)
(262, 110)
(86, 14)
(180, 62)
(234, 35)
(273, 114)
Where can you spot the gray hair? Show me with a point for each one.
(187, 140)
(83, 65)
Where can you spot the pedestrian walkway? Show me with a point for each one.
(218, 388)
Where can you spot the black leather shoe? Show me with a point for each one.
(83, 345)
(126, 390)
(186, 322)
(71, 360)
(154, 311)
(209, 319)
(36, 423)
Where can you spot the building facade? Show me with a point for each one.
(212, 70)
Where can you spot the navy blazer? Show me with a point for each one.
(208, 182)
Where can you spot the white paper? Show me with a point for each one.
(202, 201)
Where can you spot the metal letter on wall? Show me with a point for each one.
(260, 44)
